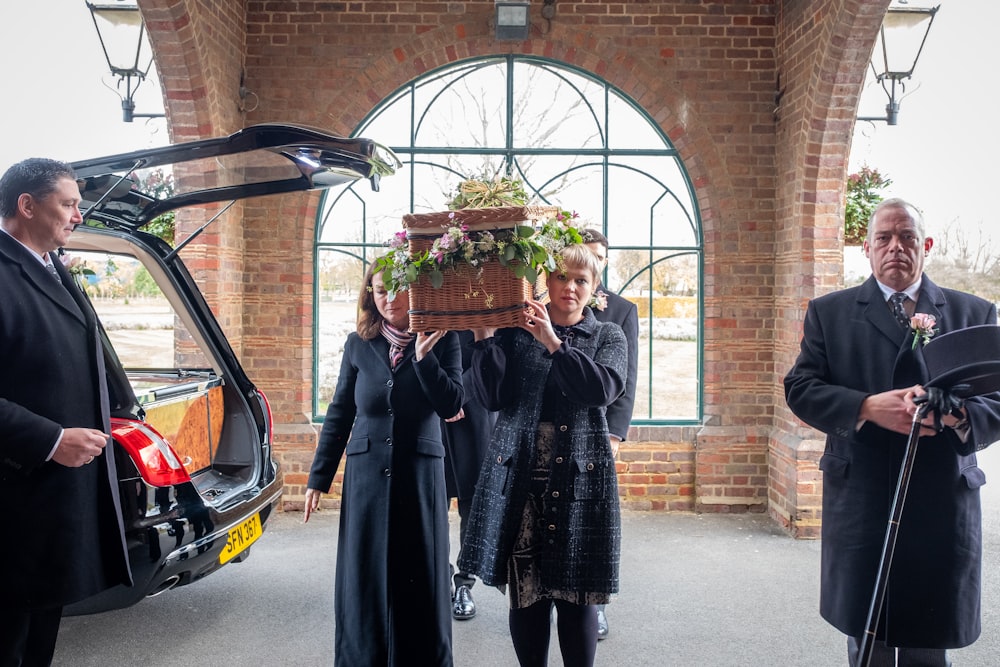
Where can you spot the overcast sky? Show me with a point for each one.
(939, 156)
(55, 103)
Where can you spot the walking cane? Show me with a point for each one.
(941, 402)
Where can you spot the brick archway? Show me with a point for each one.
(815, 131)
(758, 97)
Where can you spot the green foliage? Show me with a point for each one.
(862, 198)
(526, 251)
(159, 184)
(523, 249)
(144, 285)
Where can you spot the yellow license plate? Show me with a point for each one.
(241, 537)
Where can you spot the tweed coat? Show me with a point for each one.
(393, 590)
(509, 373)
(852, 348)
(624, 313)
(64, 535)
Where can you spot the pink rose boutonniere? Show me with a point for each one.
(599, 301)
(77, 267)
(923, 329)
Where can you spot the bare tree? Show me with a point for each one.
(966, 260)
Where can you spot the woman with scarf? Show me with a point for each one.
(392, 601)
(545, 518)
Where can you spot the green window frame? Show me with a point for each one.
(576, 142)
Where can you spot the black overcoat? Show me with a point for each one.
(393, 588)
(624, 313)
(581, 498)
(64, 536)
(852, 348)
(466, 440)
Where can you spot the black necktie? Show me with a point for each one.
(898, 311)
(52, 269)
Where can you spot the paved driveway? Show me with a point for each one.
(697, 590)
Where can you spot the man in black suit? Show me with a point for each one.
(466, 438)
(611, 307)
(855, 378)
(58, 486)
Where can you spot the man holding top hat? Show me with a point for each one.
(860, 366)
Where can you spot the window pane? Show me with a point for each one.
(137, 317)
(665, 292)
(556, 108)
(568, 182)
(575, 142)
(339, 278)
(462, 108)
(629, 128)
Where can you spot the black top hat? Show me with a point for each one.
(965, 362)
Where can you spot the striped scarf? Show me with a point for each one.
(398, 340)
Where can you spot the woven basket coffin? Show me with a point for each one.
(489, 295)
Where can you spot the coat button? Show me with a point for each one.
(390, 412)
(387, 472)
(552, 527)
(555, 494)
(388, 383)
(388, 441)
(563, 428)
(590, 466)
(499, 459)
(559, 459)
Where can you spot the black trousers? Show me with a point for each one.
(464, 508)
(28, 638)
(887, 656)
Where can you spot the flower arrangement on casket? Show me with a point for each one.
(474, 267)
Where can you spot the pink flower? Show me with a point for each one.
(398, 240)
(923, 329)
(69, 261)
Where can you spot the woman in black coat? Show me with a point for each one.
(545, 517)
(392, 592)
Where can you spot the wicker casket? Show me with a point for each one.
(487, 295)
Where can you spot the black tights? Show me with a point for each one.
(530, 629)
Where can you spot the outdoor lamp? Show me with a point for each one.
(123, 38)
(897, 49)
(512, 20)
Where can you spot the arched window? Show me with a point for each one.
(575, 142)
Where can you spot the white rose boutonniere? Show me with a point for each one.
(598, 301)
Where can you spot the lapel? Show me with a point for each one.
(872, 302)
(39, 279)
(909, 367)
(931, 301)
(380, 348)
(76, 296)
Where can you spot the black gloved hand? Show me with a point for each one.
(942, 402)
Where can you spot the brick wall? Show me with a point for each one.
(757, 95)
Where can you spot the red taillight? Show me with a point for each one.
(154, 457)
(267, 410)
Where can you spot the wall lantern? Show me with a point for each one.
(897, 48)
(123, 39)
(512, 20)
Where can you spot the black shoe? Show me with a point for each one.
(602, 625)
(463, 606)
